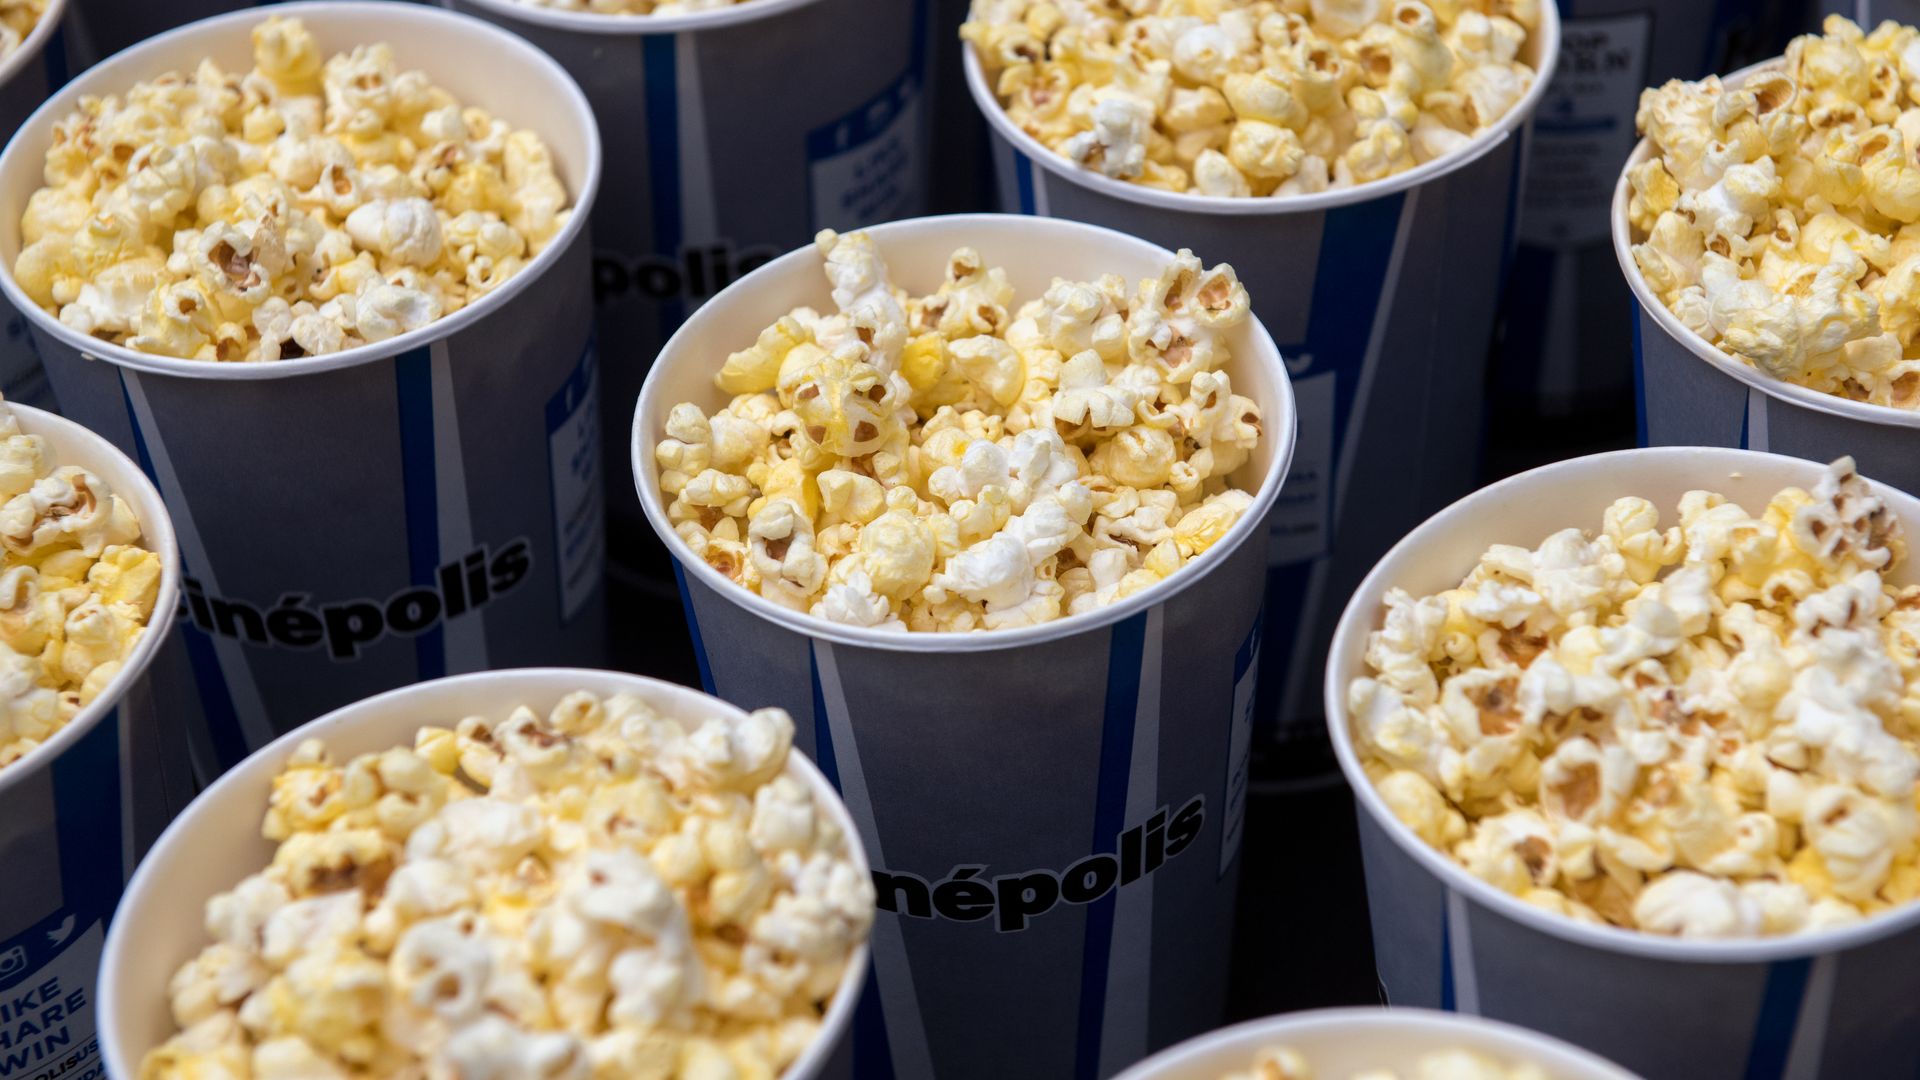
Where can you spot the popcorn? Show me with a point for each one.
(1774, 218)
(953, 462)
(17, 20)
(76, 589)
(308, 206)
(1700, 731)
(1452, 1063)
(598, 890)
(1252, 98)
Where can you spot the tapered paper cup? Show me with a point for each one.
(1829, 1003)
(1347, 1042)
(1691, 393)
(365, 519)
(1382, 299)
(77, 811)
(216, 842)
(1054, 811)
(731, 135)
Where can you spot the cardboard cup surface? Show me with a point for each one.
(1833, 1003)
(1382, 298)
(77, 811)
(1346, 1042)
(1691, 393)
(366, 519)
(27, 76)
(216, 842)
(1053, 812)
(732, 136)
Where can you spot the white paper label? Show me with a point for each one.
(573, 455)
(865, 166)
(1584, 130)
(1299, 522)
(46, 1016)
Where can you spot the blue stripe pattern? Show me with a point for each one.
(1746, 418)
(1639, 378)
(216, 702)
(1779, 1014)
(663, 157)
(86, 800)
(1447, 1002)
(700, 651)
(54, 57)
(1023, 176)
(1124, 653)
(413, 378)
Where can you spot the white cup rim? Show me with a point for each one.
(148, 885)
(647, 480)
(587, 22)
(1652, 305)
(103, 78)
(1179, 1062)
(1359, 618)
(34, 44)
(156, 535)
(1547, 34)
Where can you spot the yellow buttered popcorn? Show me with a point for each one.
(1780, 219)
(956, 461)
(1454, 1063)
(77, 589)
(1706, 730)
(589, 892)
(310, 205)
(17, 20)
(1253, 98)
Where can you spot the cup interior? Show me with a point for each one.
(70, 444)
(216, 841)
(1525, 510)
(476, 62)
(1348, 1042)
(1033, 252)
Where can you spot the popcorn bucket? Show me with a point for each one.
(365, 519)
(1563, 345)
(1868, 13)
(1830, 1003)
(1382, 297)
(731, 139)
(1350, 1042)
(1054, 812)
(77, 811)
(104, 27)
(1691, 393)
(216, 842)
(27, 76)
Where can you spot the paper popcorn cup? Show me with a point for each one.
(27, 76)
(1563, 346)
(1691, 393)
(1053, 812)
(732, 136)
(1382, 298)
(364, 519)
(1347, 1042)
(216, 842)
(77, 811)
(1831, 1003)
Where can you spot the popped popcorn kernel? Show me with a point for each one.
(77, 589)
(1773, 218)
(1252, 99)
(593, 890)
(1698, 731)
(957, 461)
(310, 205)
(1282, 1062)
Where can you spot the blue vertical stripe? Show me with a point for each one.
(216, 701)
(1746, 418)
(54, 57)
(1779, 1015)
(662, 92)
(700, 648)
(1124, 657)
(413, 379)
(1447, 1002)
(822, 730)
(1639, 378)
(1023, 176)
(86, 800)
